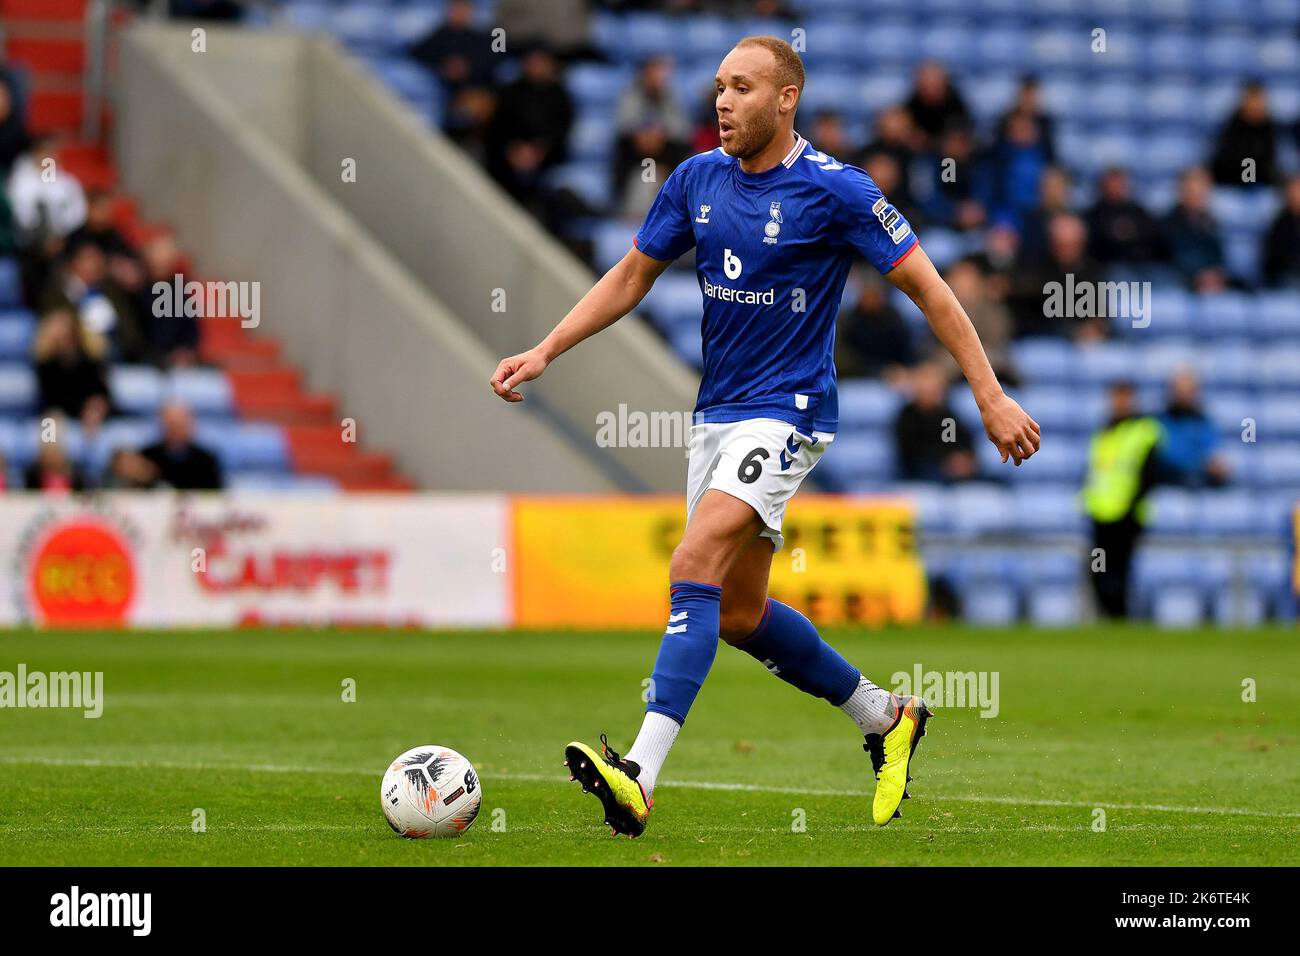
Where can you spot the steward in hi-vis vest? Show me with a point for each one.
(1122, 465)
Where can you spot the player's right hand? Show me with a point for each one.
(516, 370)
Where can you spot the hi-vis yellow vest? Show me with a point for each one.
(1116, 457)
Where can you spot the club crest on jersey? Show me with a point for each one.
(704, 213)
(772, 228)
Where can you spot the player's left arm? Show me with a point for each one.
(1007, 425)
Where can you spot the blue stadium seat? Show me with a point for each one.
(1277, 314)
(1047, 360)
(675, 301)
(934, 505)
(1279, 416)
(1233, 363)
(860, 461)
(597, 85)
(990, 604)
(1173, 510)
(11, 284)
(1278, 464)
(589, 180)
(1047, 509)
(408, 79)
(1178, 607)
(1245, 608)
(867, 403)
(275, 481)
(205, 391)
(247, 445)
(136, 389)
(16, 328)
(17, 388)
(1057, 606)
(590, 138)
(980, 508)
(1279, 367)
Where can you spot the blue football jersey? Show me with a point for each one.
(772, 253)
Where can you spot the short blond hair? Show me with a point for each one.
(789, 67)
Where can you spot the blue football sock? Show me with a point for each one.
(789, 646)
(686, 653)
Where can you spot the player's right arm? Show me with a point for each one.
(618, 292)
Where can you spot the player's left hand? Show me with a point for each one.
(516, 370)
(1009, 427)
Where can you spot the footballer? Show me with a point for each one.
(775, 224)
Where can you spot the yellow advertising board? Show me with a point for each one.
(603, 561)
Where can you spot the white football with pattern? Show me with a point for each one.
(430, 791)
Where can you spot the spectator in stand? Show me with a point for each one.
(1054, 188)
(873, 339)
(218, 11)
(43, 204)
(637, 191)
(932, 442)
(895, 136)
(1192, 235)
(1040, 284)
(1188, 455)
(1121, 230)
(953, 192)
(1029, 102)
(173, 339)
(70, 372)
(1281, 253)
(1016, 163)
(935, 105)
(1246, 150)
(82, 283)
(53, 471)
(4, 473)
(45, 211)
(131, 471)
(530, 130)
(563, 26)
(181, 462)
(14, 139)
(831, 137)
(99, 227)
(648, 110)
(989, 315)
(886, 173)
(460, 56)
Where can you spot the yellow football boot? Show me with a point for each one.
(891, 755)
(613, 780)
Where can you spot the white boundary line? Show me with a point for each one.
(684, 784)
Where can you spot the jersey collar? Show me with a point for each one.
(800, 144)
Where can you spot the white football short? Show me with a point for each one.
(761, 461)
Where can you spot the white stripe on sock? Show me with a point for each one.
(871, 708)
(658, 732)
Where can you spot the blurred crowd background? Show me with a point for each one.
(1154, 142)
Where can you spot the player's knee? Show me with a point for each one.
(692, 563)
(735, 624)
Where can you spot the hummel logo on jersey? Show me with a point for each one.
(825, 161)
(704, 213)
(773, 226)
(792, 446)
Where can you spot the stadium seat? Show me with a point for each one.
(1179, 606)
(136, 389)
(1230, 511)
(17, 388)
(1059, 606)
(866, 403)
(16, 328)
(11, 284)
(990, 604)
(205, 391)
(860, 461)
(1046, 509)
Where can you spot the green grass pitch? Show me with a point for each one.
(251, 728)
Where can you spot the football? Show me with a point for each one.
(430, 791)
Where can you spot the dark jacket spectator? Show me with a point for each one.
(456, 52)
(1248, 135)
(895, 136)
(70, 372)
(932, 443)
(181, 462)
(14, 140)
(131, 471)
(1192, 236)
(1282, 244)
(873, 339)
(173, 340)
(530, 131)
(82, 283)
(935, 103)
(1015, 165)
(1065, 266)
(1121, 231)
(1029, 102)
